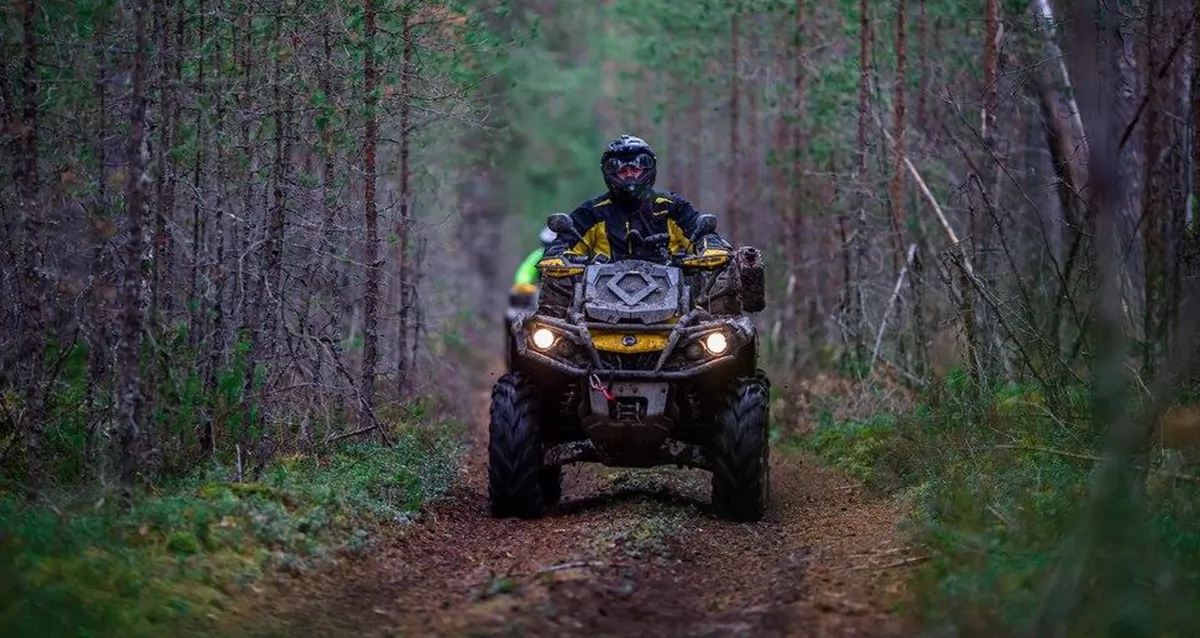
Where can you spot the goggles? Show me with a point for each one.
(643, 161)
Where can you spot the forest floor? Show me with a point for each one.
(625, 553)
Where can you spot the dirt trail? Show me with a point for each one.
(627, 553)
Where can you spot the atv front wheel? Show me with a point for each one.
(741, 470)
(515, 470)
(551, 485)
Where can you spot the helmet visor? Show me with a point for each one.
(640, 161)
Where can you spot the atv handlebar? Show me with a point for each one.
(706, 224)
(663, 258)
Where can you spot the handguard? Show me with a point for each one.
(711, 256)
(558, 267)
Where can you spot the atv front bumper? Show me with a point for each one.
(573, 351)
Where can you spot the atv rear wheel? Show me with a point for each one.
(741, 470)
(515, 470)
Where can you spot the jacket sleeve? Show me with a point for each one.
(563, 257)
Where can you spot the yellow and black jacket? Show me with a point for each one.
(606, 223)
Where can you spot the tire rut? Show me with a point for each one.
(625, 553)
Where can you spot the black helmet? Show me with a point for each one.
(629, 151)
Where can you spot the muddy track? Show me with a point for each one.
(626, 553)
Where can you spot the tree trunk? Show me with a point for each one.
(1189, 249)
(272, 292)
(9, 122)
(750, 180)
(371, 310)
(271, 295)
(858, 244)
(673, 117)
(923, 64)
(331, 238)
(695, 130)
(980, 226)
(798, 189)
(403, 224)
(1075, 142)
(98, 323)
(199, 221)
(250, 304)
(218, 272)
(1195, 114)
(31, 316)
(987, 124)
(607, 111)
(129, 398)
(1153, 199)
(896, 190)
(733, 201)
(161, 290)
(783, 196)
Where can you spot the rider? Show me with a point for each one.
(527, 277)
(631, 204)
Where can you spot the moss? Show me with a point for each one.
(182, 543)
(173, 561)
(857, 448)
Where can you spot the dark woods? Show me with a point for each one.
(209, 250)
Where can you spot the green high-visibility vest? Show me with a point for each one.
(527, 272)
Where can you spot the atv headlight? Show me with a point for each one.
(717, 343)
(543, 338)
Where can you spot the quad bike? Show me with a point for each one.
(636, 363)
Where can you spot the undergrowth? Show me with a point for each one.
(82, 567)
(996, 487)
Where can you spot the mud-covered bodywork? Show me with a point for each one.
(630, 363)
(631, 320)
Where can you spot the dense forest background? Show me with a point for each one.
(236, 230)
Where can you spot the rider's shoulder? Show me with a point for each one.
(671, 199)
(599, 201)
(588, 209)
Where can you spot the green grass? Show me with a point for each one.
(174, 561)
(994, 502)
